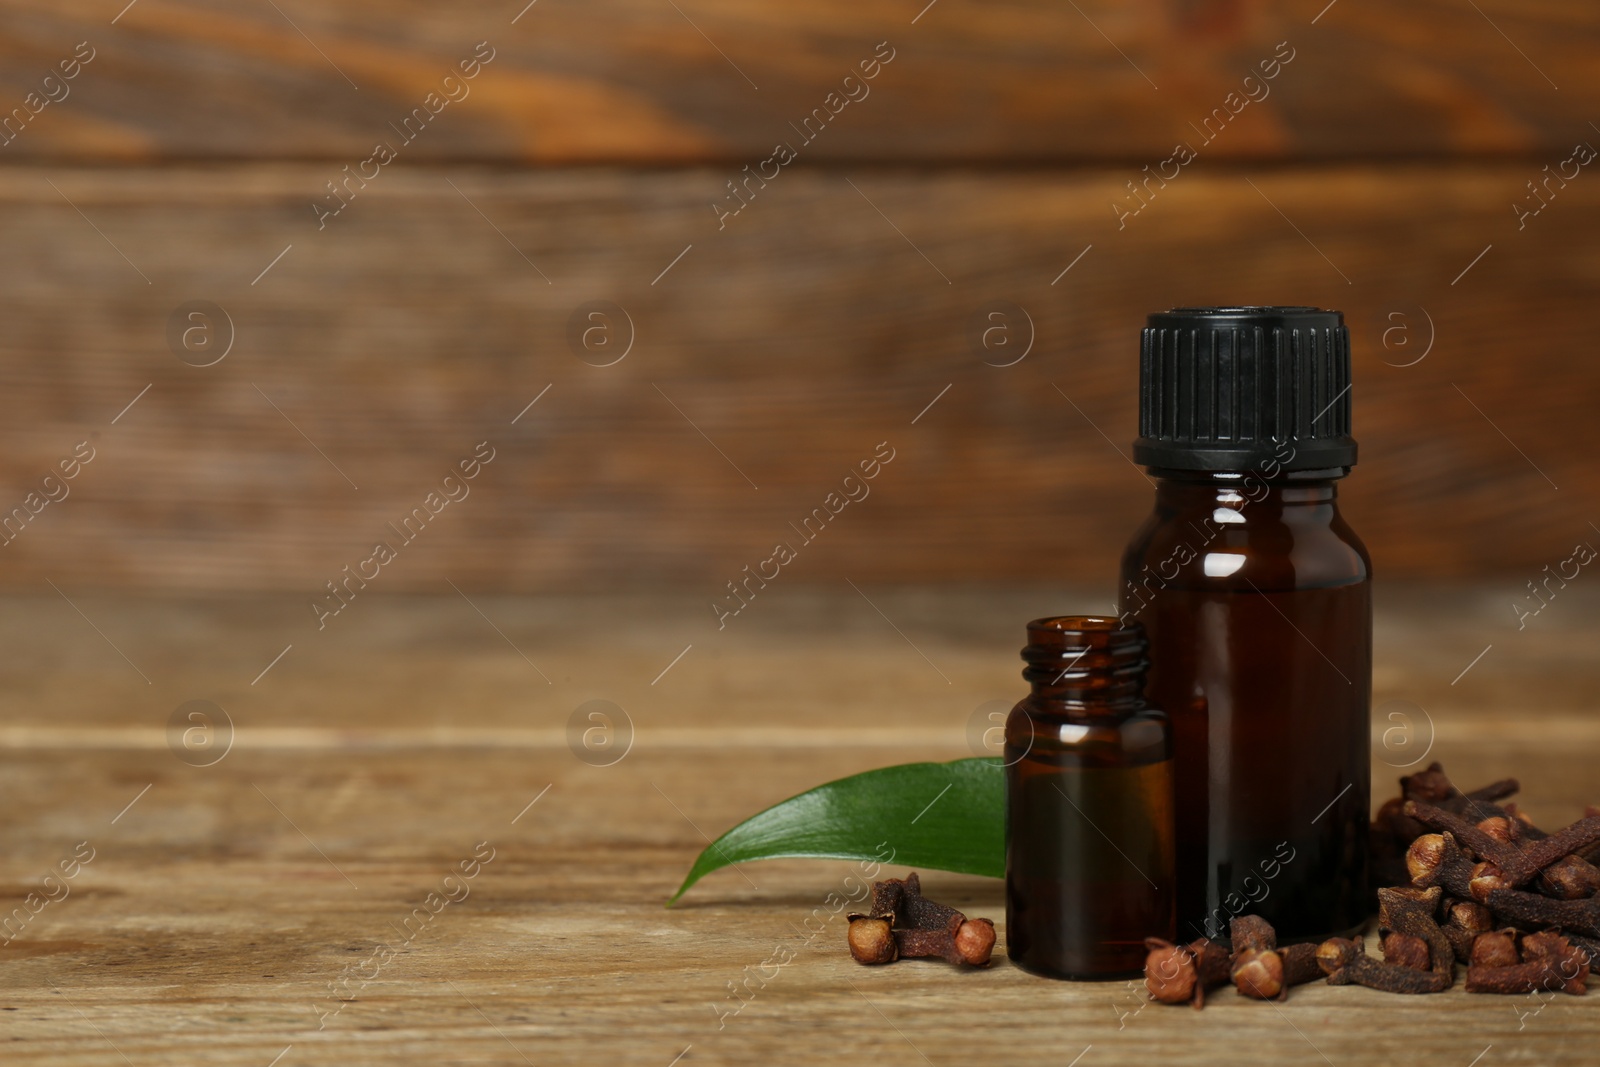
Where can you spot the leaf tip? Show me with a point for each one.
(691, 879)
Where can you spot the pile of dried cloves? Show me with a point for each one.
(1516, 904)
(1464, 904)
(902, 923)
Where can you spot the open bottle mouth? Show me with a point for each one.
(1058, 636)
(1076, 623)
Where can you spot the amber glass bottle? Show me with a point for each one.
(1256, 598)
(1089, 848)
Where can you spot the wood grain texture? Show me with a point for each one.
(371, 357)
(222, 903)
(635, 81)
(511, 669)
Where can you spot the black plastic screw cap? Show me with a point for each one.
(1245, 389)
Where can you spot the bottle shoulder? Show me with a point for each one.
(1040, 727)
(1072, 727)
(1239, 547)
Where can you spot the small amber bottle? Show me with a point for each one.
(1089, 820)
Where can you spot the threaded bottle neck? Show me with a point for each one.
(1089, 663)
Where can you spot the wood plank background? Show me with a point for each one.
(635, 81)
(778, 347)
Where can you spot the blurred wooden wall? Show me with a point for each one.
(767, 352)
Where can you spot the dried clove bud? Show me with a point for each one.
(1470, 916)
(1335, 952)
(1406, 950)
(1465, 920)
(1466, 833)
(871, 941)
(1345, 963)
(1570, 878)
(1497, 948)
(1531, 909)
(1263, 971)
(1169, 971)
(1411, 911)
(1267, 974)
(1486, 878)
(1567, 971)
(904, 923)
(975, 942)
(1258, 973)
(1436, 859)
(1175, 974)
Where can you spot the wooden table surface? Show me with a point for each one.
(224, 902)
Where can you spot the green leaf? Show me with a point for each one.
(944, 816)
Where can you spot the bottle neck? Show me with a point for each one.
(1182, 490)
(1086, 665)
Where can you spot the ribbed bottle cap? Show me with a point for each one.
(1245, 388)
